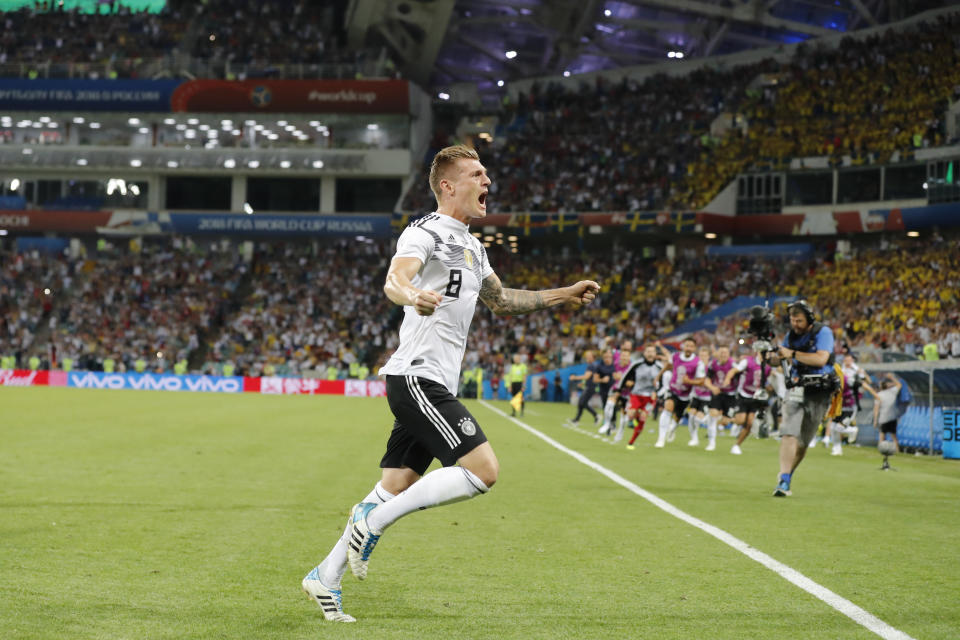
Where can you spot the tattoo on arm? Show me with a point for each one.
(508, 302)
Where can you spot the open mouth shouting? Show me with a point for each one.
(482, 200)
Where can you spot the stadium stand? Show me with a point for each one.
(867, 99)
(309, 307)
(300, 308)
(270, 32)
(64, 41)
(631, 146)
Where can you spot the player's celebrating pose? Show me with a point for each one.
(643, 392)
(723, 401)
(699, 402)
(688, 372)
(756, 378)
(617, 399)
(437, 274)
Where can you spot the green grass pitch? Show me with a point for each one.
(129, 514)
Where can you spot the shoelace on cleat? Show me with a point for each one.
(368, 546)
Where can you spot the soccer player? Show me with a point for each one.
(699, 402)
(854, 379)
(437, 273)
(688, 372)
(756, 378)
(643, 392)
(723, 401)
(617, 399)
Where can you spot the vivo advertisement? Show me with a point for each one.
(153, 382)
(209, 384)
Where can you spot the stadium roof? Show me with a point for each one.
(442, 42)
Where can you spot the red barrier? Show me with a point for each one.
(41, 220)
(23, 378)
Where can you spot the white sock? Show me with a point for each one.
(335, 564)
(624, 419)
(439, 487)
(836, 434)
(712, 422)
(692, 427)
(608, 415)
(666, 423)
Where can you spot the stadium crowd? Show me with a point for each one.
(317, 309)
(648, 145)
(274, 31)
(255, 36)
(865, 101)
(309, 307)
(42, 34)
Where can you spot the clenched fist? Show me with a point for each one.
(425, 302)
(583, 292)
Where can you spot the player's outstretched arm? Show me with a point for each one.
(511, 302)
(400, 291)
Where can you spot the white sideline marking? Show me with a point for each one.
(841, 604)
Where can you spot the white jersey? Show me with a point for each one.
(454, 265)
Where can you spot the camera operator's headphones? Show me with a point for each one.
(803, 307)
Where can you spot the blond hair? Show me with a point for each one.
(444, 159)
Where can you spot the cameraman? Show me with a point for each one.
(808, 346)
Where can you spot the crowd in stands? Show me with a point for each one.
(318, 309)
(262, 33)
(647, 145)
(44, 34)
(864, 100)
(253, 35)
(309, 307)
(25, 307)
(151, 305)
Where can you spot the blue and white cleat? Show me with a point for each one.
(362, 539)
(783, 489)
(329, 600)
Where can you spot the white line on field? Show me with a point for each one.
(841, 604)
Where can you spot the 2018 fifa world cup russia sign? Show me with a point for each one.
(224, 96)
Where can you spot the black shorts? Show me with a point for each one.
(846, 417)
(679, 404)
(699, 404)
(750, 405)
(430, 423)
(725, 403)
(889, 427)
(515, 388)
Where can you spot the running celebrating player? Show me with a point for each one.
(854, 379)
(437, 274)
(617, 399)
(688, 372)
(643, 393)
(756, 378)
(723, 402)
(699, 402)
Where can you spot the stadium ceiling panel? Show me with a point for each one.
(439, 43)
